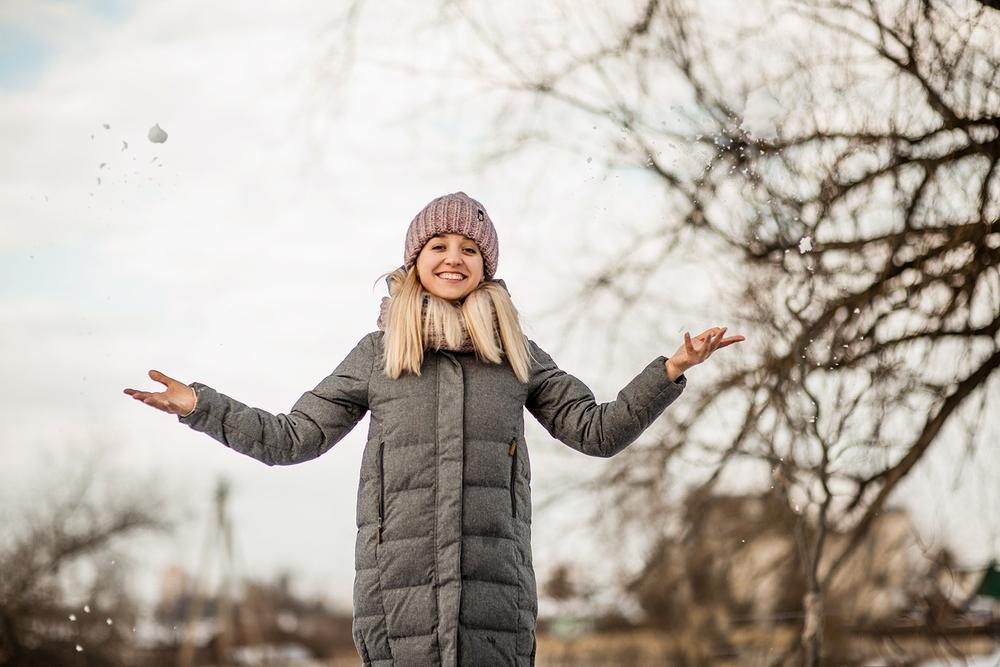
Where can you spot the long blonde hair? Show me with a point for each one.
(408, 323)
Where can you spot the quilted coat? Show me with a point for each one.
(443, 570)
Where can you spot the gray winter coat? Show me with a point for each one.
(443, 571)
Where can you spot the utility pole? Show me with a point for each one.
(217, 548)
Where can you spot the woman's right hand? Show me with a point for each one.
(177, 399)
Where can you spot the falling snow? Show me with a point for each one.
(761, 114)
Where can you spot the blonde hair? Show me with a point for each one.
(408, 325)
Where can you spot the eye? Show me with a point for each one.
(471, 250)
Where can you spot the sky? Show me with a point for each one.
(244, 252)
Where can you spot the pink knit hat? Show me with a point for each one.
(460, 214)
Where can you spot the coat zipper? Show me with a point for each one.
(512, 453)
(381, 494)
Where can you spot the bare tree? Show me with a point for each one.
(63, 591)
(860, 224)
(840, 160)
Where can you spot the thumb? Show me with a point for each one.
(160, 377)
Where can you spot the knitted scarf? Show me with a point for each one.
(434, 337)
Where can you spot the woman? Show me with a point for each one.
(443, 554)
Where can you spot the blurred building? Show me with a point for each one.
(728, 588)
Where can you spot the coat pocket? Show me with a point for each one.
(381, 492)
(512, 453)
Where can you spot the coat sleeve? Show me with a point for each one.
(317, 421)
(566, 407)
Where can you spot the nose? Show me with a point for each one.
(453, 258)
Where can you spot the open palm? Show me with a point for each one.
(696, 350)
(177, 399)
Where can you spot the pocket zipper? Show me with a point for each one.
(512, 453)
(381, 495)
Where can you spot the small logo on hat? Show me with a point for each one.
(481, 216)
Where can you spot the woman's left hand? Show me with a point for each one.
(695, 351)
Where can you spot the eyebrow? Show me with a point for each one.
(441, 238)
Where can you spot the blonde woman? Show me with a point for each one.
(443, 563)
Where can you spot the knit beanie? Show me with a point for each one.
(460, 214)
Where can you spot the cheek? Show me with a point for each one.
(422, 264)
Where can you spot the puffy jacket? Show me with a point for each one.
(443, 569)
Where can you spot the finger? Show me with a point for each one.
(708, 347)
(709, 341)
(688, 346)
(152, 404)
(157, 403)
(731, 340)
(697, 347)
(161, 378)
(146, 396)
(711, 344)
(718, 339)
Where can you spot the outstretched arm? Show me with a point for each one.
(317, 421)
(566, 407)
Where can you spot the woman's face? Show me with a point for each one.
(450, 266)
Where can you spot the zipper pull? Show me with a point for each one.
(378, 532)
(512, 448)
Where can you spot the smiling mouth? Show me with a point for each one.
(451, 277)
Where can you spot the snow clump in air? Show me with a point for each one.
(157, 135)
(761, 114)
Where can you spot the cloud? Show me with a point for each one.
(244, 254)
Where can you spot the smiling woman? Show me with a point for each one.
(443, 563)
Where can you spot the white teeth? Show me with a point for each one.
(451, 276)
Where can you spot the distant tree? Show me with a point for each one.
(63, 592)
(264, 612)
(560, 585)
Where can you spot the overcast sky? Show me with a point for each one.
(242, 253)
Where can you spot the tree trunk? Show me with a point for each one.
(812, 629)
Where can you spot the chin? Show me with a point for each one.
(452, 294)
